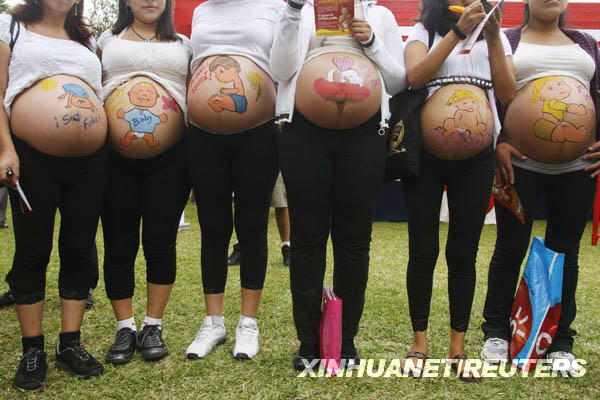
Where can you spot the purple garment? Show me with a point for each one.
(587, 43)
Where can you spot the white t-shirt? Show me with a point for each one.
(235, 27)
(476, 64)
(35, 57)
(166, 63)
(534, 61)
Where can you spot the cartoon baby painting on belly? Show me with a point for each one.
(342, 84)
(227, 70)
(142, 121)
(467, 118)
(553, 126)
(77, 96)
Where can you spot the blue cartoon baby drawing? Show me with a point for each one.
(233, 99)
(77, 96)
(142, 121)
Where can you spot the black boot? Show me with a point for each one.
(236, 255)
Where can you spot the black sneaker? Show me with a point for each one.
(285, 252)
(307, 357)
(236, 255)
(150, 343)
(123, 349)
(7, 299)
(89, 302)
(31, 373)
(78, 362)
(3, 225)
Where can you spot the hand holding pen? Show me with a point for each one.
(9, 168)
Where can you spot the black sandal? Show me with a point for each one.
(413, 371)
(455, 362)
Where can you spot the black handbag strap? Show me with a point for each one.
(15, 30)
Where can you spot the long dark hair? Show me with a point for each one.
(32, 11)
(165, 29)
(436, 16)
(527, 16)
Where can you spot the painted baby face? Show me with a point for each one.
(225, 75)
(555, 90)
(143, 95)
(468, 105)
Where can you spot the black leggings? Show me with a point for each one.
(74, 185)
(332, 178)
(469, 184)
(153, 191)
(243, 163)
(570, 198)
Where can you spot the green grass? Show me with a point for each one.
(385, 333)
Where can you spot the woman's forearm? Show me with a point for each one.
(503, 72)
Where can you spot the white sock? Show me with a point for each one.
(152, 321)
(217, 320)
(127, 323)
(285, 244)
(247, 321)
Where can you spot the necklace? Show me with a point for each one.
(141, 37)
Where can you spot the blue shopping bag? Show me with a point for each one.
(536, 309)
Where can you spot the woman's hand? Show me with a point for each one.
(594, 156)
(9, 161)
(505, 175)
(473, 15)
(360, 30)
(491, 30)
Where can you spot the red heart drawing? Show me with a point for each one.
(343, 64)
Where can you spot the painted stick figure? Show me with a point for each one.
(77, 96)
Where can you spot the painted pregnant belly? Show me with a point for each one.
(61, 116)
(229, 94)
(338, 90)
(457, 122)
(551, 119)
(143, 119)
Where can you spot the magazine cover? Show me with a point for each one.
(333, 17)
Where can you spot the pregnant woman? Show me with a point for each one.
(145, 65)
(550, 144)
(459, 123)
(52, 130)
(333, 155)
(232, 148)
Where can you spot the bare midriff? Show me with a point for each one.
(143, 119)
(338, 90)
(61, 116)
(230, 94)
(457, 122)
(551, 119)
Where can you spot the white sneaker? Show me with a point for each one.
(209, 336)
(246, 339)
(564, 363)
(495, 350)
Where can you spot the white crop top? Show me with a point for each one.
(534, 61)
(166, 63)
(476, 64)
(235, 27)
(35, 57)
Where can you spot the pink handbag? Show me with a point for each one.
(330, 332)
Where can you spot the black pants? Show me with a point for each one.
(332, 178)
(243, 163)
(570, 198)
(74, 185)
(469, 184)
(153, 191)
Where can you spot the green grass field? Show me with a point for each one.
(385, 333)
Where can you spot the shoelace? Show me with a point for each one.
(32, 361)
(81, 352)
(497, 343)
(122, 339)
(151, 337)
(247, 333)
(204, 332)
